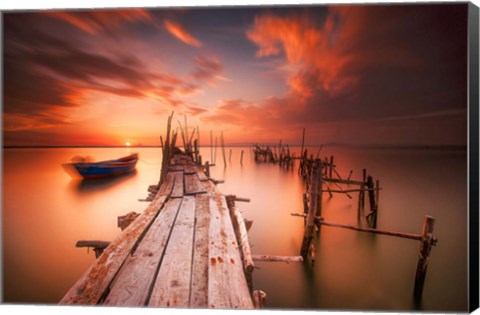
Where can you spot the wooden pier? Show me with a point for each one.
(181, 251)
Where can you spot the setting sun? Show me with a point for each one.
(127, 144)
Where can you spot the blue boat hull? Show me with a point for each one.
(106, 168)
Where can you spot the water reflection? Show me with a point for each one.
(91, 185)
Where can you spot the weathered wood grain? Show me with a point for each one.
(178, 190)
(92, 285)
(133, 282)
(202, 176)
(227, 286)
(193, 185)
(199, 285)
(191, 169)
(172, 285)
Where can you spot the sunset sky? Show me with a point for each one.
(358, 74)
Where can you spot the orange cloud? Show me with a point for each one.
(317, 50)
(182, 34)
(94, 21)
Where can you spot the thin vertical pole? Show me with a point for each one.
(211, 147)
(303, 140)
(223, 151)
(241, 157)
(331, 166)
(424, 252)
(215, 154)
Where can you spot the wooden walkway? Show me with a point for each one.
(181, 251)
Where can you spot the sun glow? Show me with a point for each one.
(127, 144)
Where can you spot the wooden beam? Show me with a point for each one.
(178, 187)
(199, 284)
(94, 282)
(273, 258)
(136, 276)
(172, 285)
(227, 286)
(343, 181)
(193, 185)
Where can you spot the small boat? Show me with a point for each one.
(102, 169)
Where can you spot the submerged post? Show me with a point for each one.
(303, 140)
(241, 157)
(313, 199)
(371, 199)
(207, 169)
(425, 248)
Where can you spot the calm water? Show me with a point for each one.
(45, 212)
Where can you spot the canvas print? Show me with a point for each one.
(301, 157)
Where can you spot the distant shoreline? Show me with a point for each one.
(352, 146)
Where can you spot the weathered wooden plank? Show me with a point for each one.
(177, 191)
(202, 176)
(227, 286)
(167, 186)
(132, 284)
(191, 169)
(176, 168)
(199, 286)
(92, 285)
(172, 285)
(193, 185)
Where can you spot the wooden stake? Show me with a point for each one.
(215, 154)
(223, 151)
(424, 252)
(312, 208)
(241, 157)
(207, 169)
(331, 167)
(319, 191)
(303, 140)
(371, 199)
(211, 147)
(259, 299)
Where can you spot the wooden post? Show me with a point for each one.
(331, 167)
(259, 299)
(360, 200)
(207, 169)
(211, 146)
(377, 193)
(312, 207)
(425, 247)
(320, 186)
(230, 156)
(195, 151)
(223, 151)
(215, 154)
(363, 194)
(241, 157)
(303, 140)
(371, 199)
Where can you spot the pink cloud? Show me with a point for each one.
(181, 33)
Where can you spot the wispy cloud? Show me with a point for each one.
(181, 33)
(208, 69)
(95, 21)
